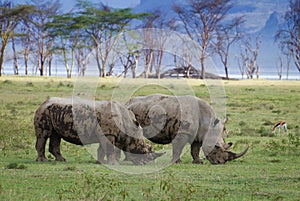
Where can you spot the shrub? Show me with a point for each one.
(290, 146)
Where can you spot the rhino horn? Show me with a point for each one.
(232, 156)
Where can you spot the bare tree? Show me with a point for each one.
(127, 62)
(288, 37)
(183, 60)
(129, 53)
(227, 35)
(200, 19)
(153, 41)
(249, 54)
(279, 68)
(242, 64)
(82, 51)
(288, 63)
(26, 43)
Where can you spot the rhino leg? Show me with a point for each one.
(40, 148)
(178, 144)
(54, 147)
(108, 146)
(100, 154)
(117, 153)
(42, 135)
(195, 150)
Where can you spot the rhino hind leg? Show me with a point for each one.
(178, 144)
(54, 147)
(40, 148)
(195, 150)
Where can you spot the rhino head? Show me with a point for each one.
(219, 155)
(215, 148)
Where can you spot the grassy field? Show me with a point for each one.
(269, 171)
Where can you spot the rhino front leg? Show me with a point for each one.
(54, 147)
(177, 146)
(195, 150)
(100, 154)
(108, 145)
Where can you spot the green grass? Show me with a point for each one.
(269, 171)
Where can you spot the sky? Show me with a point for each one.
(121, 3)
(112, 3)
(256, 15)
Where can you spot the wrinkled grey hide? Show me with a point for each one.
(82, 122)
(180, 120)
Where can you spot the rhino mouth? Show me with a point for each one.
(220, 155)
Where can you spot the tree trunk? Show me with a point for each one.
(16, 66)
(188, 71)
(41, 68)
(26, 58)
(4, 43)
(202, 68)
(226, 73)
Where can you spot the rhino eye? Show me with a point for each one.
(216, 122)
(136, 123)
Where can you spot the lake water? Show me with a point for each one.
(59, 70)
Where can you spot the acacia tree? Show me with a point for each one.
(40, 37)
(68, 34)
(10, 17)
(200, 19)
(103, 24)
(288, 37)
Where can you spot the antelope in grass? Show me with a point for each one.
(278, 125)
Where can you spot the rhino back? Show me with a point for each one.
(163, 116)
(74, 121)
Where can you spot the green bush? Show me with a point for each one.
(290, 146)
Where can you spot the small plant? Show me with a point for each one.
(7, 82)
(171, 188)
(15, 166)
(242, 123)
(60, 84)
(29, 84)
(70, 168)
(94, 187)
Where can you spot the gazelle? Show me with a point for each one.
(278, 125)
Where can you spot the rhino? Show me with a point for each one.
(180, 120)
(80, 121)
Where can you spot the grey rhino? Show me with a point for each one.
(180, 120)
(80, 121)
